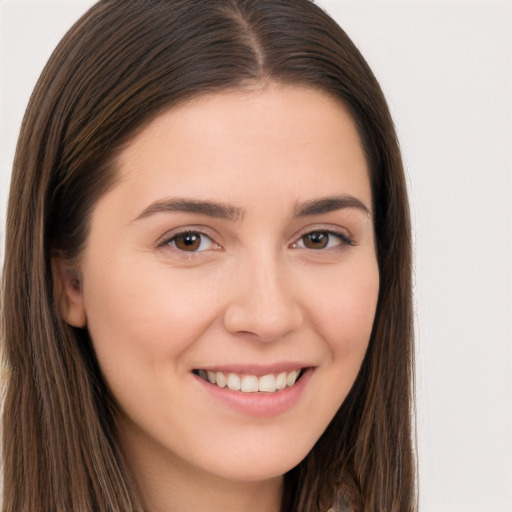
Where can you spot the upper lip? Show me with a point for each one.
(255, 369)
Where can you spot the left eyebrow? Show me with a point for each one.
(329, 204)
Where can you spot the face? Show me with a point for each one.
(235, 251)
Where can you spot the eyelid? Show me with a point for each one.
(342, 234)
(165, 240)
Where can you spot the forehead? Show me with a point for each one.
(294, 140)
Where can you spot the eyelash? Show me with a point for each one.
(171, 241)
(343, 238)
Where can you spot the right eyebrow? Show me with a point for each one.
(208, 208)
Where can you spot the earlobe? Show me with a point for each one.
(67, 292)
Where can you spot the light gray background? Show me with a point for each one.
(446, 69)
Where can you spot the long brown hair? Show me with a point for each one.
(120, 65)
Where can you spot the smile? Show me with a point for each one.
(270, 383)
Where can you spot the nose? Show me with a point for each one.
(264, 304)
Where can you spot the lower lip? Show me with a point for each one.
(259, 404)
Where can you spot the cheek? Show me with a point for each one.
(140, 316)
(345, 309)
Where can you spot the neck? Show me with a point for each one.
(214, 495)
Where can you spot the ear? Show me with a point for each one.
(67, 291)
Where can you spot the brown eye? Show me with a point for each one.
(316, 240)
(322, 240)
(191, 242)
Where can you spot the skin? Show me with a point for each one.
(255, 290)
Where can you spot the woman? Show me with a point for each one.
(206, 291)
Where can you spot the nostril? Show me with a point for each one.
(261, 323)
(264, 304)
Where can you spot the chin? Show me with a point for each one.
(263, 463)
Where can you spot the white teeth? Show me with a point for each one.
(234, 382)
(220, 380)
(292, 377)
(249, 384)
(269, 383)
(281, 381)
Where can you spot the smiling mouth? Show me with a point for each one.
(270, 383)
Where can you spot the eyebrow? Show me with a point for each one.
(234, 213)
(329, 204)
(208, 208)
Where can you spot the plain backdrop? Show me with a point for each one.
(446, 69)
